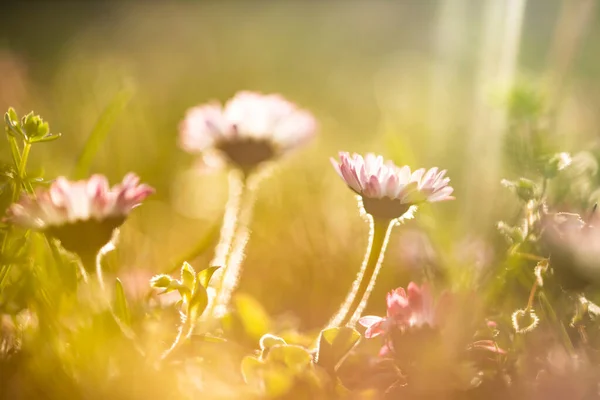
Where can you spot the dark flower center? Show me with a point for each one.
(86, 238)
(385, 208)
(246, 153)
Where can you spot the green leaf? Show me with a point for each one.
(120, 305)
(267, 341)
(100, 131)
(160, 281)
(42, 129)
(205, 275)
(254, 318)
(295, 358)
(188, 276)
(11, 119)
(277, 382)
(30, 124)
(183, 290)
(198, 301)
(334, 344)
(47, 138)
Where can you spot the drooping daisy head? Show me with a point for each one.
(81, 214)
(388, 191)
(250, 129)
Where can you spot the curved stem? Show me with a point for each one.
(358, 297)
(126, 330)
(228, 279)
(108, 247)
(185, 331)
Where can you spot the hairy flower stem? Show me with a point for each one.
(234, 237)
(358, 297)
(237, 186)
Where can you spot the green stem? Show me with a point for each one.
(22, 172)
(356, 300)
(185, 331)
(24, 158)
(15, 151)
(107, 248)
(20, 160)
(234, 237)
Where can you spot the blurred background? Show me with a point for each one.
(424, 83)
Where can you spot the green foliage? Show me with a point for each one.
(31, 128)
(254, 320)
(525, 103)
(191, 286)
(334, 345)
(283, 369)
(524, 188)
(205, 275)
(22, 133)
(161, 281)
(120, 304)
(58, 337)
(529, 141)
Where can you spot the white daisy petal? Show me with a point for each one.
(374, 178)
(247, 119)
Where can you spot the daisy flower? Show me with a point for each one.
(250, 129)
(81, 214)
(388, 191)
(411, 308)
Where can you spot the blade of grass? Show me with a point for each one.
(202, 246)
(547, 309)
(100, 132)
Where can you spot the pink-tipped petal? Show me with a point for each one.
(69, 202)
(374, 178)
(375, 329)
(442, 194)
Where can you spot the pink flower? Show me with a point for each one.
(404, 310)
(76, 211)
(412, 309)
(250, 129)
(387, 190)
